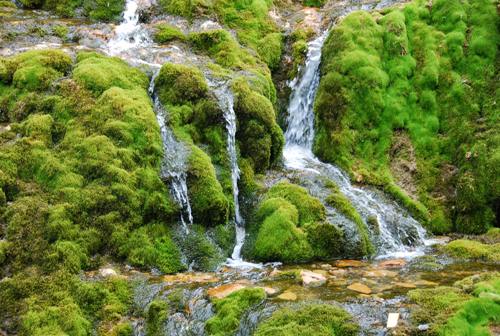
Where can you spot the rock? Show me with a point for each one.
(288, 296)
(338, 272)
(423, 327)
(392, 320)
(270, 291)
(326, 266)
(405, 285)
(190, 278)
(222, 291)
(425, 283)
(360, 288)
(312, 279)
(322, 272)
(107, 272)
(380, 274)
(349, 263)
(392, 263)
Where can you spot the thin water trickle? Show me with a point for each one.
(173, 167)
(398, 233)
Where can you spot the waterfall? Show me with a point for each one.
(226, 102)
(173, 166)
(129, 33)
(399, 234)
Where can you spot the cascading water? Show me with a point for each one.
(399, 233)
(129, 34)
(226, 102)
(173, 165)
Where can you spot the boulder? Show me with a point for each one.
(392, 263)
(312, 279)
(288, 296)
(360, 288)
(222, 291)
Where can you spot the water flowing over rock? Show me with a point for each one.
(173, 167)
(397, 232)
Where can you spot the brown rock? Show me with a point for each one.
(222, 291)
(350, 263)
(312, 279)
(425, 283)
(190, 278)
(288, 296)
(380, 274)
(270, 290)
(392, 263)
(360, 288)
(405, 285)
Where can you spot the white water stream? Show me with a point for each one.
(398, 234)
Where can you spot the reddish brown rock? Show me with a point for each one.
(222, 291)
(360, 288)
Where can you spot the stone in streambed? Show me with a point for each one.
(380, 274)
(270, 291)
(360, 288)
(349, 263)
(312, 279)
(392, 263)
(222, 291)
(392, 320)
(405, 285)
(288, 296)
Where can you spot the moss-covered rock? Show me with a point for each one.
(316, 319)
(230, 310)
(470, 249)
(165, 33)
(180, 84)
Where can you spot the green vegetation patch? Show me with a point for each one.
(428, 72)
(470, 249)
(315, 319)
(230, 310)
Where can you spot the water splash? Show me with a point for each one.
(398, 233)
(175, 153)
(129, 34)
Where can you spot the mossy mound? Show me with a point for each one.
(165, 33)
(467, 308)
(289, 226)
(474, 250)
(101, 10)
(417, 70)
(316, 319)
(230, 310)
(79, 180)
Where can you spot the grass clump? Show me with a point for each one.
(230, 310)
(315, 319)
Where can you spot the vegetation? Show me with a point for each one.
(428, 72)
(315, 319)
(101, 10)
(467, 308)
(230, 309)
(470, 249)
(79, 181)
(289, 226)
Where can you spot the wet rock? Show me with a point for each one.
(190, 278)
(270, 291)
(360, 288)
(222, 291)
(405, 285)
(288, 296)
(338, 272)
(312, 279)
(350, 263)
(326, 266)
(423, 327)
(107, 272)
(392, 320)
(392, 263)
(425, 283)
(380, 274)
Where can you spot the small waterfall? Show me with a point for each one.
(226, 101)
(399, 233)
(129, 33)
(173, 165)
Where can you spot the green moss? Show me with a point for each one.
(178, 84)
(165, 33)
(316, 319)
(105, 10)
(340, 202)
(326, 240)
(201, 251)
(309, 208)
(470, 249)
(157, 314)
(404, 70)
(98, 73)
(278, 237)
(186, 8)
(230, 310)
(210, 205)
(60, 31)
